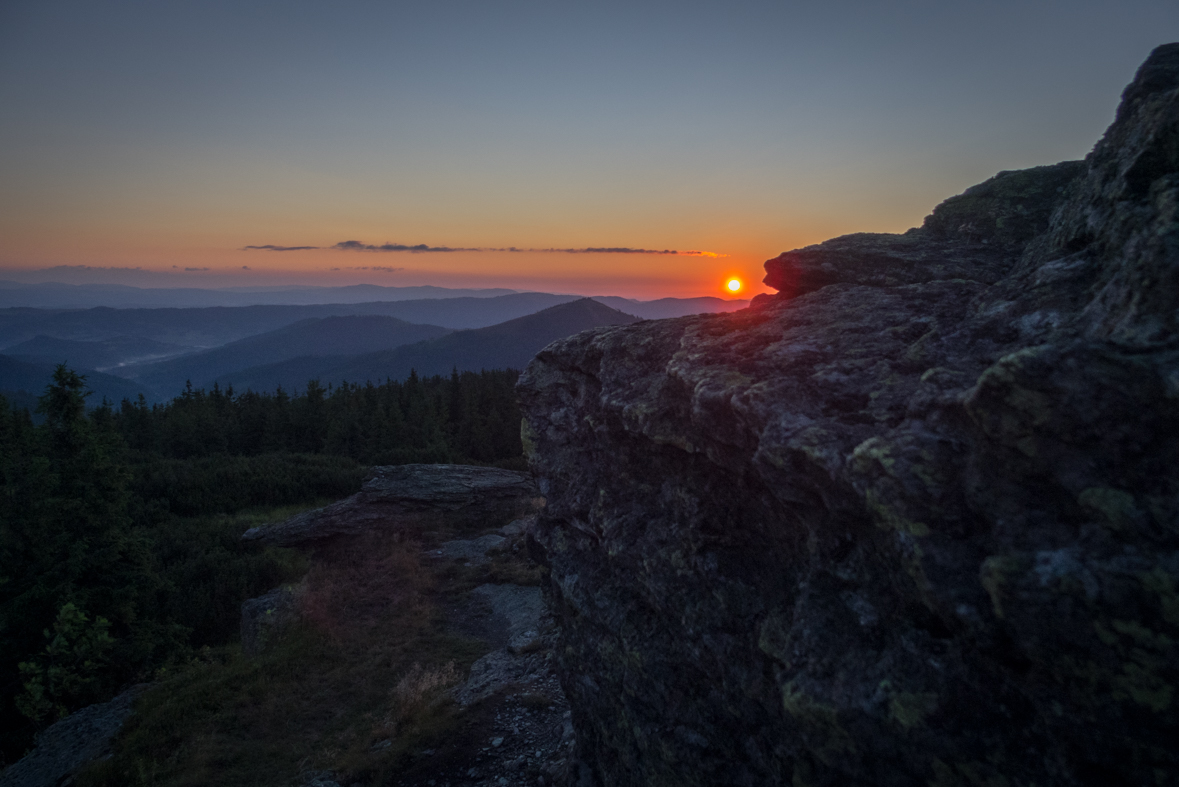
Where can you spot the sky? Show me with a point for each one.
(153, 143)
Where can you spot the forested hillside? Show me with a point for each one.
(120, 526)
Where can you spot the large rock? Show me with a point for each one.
(405, 497)
(266, 617)
(913, 521)
(976, 236)
(66, 746)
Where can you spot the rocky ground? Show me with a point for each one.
(514, 726)
(513, 721)
(445, 543)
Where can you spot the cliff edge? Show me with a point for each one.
(915, 520)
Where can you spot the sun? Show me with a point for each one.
(733, 285)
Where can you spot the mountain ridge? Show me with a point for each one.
(208, 327)
(317, 336)
(505, 345)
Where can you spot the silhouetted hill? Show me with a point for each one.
(93, 355)
(510, 344)
(31, 378)
(671, 307)
(215, 326)
(329, 336)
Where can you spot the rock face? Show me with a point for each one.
(78, 739)
(412, 496)
(265, 617)
(915, 520)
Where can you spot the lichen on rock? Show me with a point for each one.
(914, 520)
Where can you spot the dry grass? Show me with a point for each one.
(352, 586)
(420, 684)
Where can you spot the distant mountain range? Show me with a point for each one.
(56, 295)
(327, 336)
(214, 326)
(508, 345)
(205, 328)
(155, 351)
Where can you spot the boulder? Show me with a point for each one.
(406, 497)
(265, 617)
(914, 520)
(66, 746)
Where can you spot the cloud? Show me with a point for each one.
(356, 245)
(245, 267)
(196, 269)
(272, 247)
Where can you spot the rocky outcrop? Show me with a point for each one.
(77, 740)
(408, 497)
(915, 520)
(264, 618)
(976, 236)
(472, 551)
(394, 502)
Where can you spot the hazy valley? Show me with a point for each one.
(127, 352)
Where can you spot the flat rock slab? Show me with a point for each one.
(473, 551)
(413, 496)
(514, 620)
(76, 740)
(498, 670)
(518, 609)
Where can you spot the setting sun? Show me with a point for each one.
(734, 285)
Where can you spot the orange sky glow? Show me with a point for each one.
(161, 140)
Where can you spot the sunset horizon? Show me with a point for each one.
(614, 394)
(245, 145)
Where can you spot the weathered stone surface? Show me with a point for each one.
(913, 521)
(265, 617)
(474, 551)
(412, 496)
(78, 739)
(977, 236)
(498, 670)
(517, 622)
